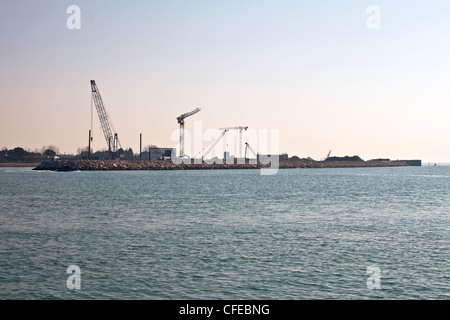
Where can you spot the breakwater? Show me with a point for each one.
(98, 165)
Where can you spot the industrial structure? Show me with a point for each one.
(161, 153)
(211, 146)
(180, 120)
(240, 136)
(111, 136)
(113, 143)
(156, 155)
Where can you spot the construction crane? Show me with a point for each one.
(240, 136)
(180, 120)
(328, 155)
(247, 147)
(213, 144)
(109, 132)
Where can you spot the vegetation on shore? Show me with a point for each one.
(18, 155)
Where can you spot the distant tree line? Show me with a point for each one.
(49, 152)
(20, 154)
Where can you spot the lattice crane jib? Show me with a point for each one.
(111, 136)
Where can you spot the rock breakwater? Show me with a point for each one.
(99, 165)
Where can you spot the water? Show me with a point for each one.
(226, 234)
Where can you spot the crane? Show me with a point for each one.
(109, 132)
(328, 155)
(180, 120)
(247, 147)
(240, 136)
(213, 144)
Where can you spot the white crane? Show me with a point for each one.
(213, 144)
(240, 136)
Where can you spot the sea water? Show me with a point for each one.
(357, 233)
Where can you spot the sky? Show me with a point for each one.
(313, 70)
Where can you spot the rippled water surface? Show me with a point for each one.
(226, 234)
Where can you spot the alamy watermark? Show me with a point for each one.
(73, 22)
(373, 22)
(391, 277)
(228, 146)
(74, 280)
(374, 280)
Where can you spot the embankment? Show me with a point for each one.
(99, 165)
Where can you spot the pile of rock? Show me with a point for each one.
(99, 165)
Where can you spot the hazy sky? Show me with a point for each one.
(312, 69)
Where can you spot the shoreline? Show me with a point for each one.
(117, 165)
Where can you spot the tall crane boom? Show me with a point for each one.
(214, 143)
(247, 146)
(180, 120)
(111, 136)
